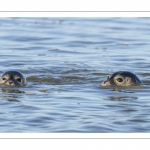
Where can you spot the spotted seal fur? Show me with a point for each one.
(122, 78)
(13, 79)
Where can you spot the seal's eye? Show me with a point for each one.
(119, 79)
(19, 80)
(4, 78)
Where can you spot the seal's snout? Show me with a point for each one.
(10, 83)
(104, 83)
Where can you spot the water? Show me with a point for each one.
(65, 60)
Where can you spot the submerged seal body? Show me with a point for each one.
(122, 78)
(13, 78)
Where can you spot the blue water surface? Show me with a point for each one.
(65, 60)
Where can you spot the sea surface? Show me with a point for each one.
(64, 61)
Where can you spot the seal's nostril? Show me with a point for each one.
(104, 82)
(10, 82)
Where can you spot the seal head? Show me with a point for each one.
(13, 78)
(122, 78)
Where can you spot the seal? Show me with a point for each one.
(13, 78)
(122, 78)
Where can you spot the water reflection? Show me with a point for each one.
(121, 98)
(7, 90)
(11, 94)
(125, 90)
(10, 98)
